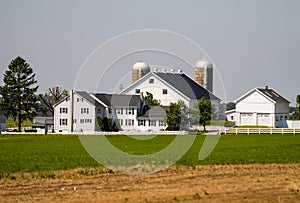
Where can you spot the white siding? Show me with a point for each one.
(256, 109)
(156, 88)
(58, 116)
(84, 115)
(126, 116)
(255, 102)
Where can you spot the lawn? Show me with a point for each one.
(29, 153)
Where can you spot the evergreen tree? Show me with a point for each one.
(18, 94)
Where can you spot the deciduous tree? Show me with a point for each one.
(150, 101)
(173, 116)
(205, 111)
(48, 99)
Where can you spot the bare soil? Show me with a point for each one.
(229, 183)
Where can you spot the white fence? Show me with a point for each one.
(261, 131)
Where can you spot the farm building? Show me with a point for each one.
(171, 87)
(79, 113)
(260, 107)
(128, 109)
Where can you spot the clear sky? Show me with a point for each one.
(253, 43)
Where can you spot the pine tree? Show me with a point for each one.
(18, 99)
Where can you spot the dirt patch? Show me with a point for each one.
(232, 183)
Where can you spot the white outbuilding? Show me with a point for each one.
(260, 107)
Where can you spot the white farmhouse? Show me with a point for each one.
(79, 113)
(171, 87)
(260, 107)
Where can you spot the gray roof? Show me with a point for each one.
(155, 112)
(186, 85)
(87, 96)
(118, 99)
(273, 95)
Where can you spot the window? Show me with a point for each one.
(119, 111)
(63, 121)
(165, 91)
(137, 91)
(161, 123)
(74, 120)
(81, 120)
(84, 110)
(88, 120)
(109, 110)
(129, 122)
(151, 81)
(152, 123)
(98, 111)
(141, 122)
(63, 110)
(130, 111)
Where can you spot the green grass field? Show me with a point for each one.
(30, 153)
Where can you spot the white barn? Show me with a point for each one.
(171, 87)
(260, 107)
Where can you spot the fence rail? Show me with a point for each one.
(262, 131)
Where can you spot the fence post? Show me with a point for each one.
(259, 131)
(294, 131)
(236, 131)
(271, 131)
(282, 130)
(248, 131)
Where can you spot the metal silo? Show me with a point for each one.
(139, 69)
(204, 74)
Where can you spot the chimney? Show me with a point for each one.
(266, 87)
(71, 109)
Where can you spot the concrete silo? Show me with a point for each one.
(204, 74)
(139, 69)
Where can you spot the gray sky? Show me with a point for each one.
(252, 43)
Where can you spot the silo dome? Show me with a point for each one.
(139, 69)
(141, 65)
(203, 63)
(204, 74)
